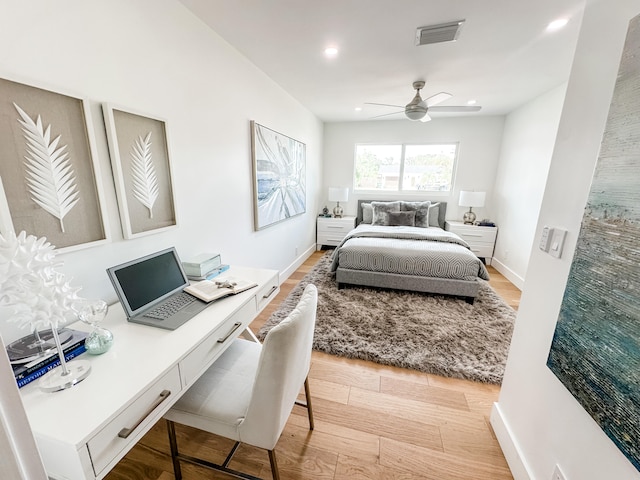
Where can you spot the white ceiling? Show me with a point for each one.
(503, 57)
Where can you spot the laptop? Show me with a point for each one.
(150, 290)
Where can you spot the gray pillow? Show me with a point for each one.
(402, 219)
(421, 209)
(367, 213)
(434, 213)
(381, 212)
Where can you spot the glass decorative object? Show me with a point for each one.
(92, 312)
(41, 298)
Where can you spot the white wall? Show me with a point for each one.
(479, 148)
(154, 56)
(525, 156)
(537, 420)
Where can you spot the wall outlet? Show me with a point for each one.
(557, 474)
(296, 251)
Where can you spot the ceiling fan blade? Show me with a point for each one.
(426, 118)
(383, 105)
(386, 114)
(456, 108)
(437, 98)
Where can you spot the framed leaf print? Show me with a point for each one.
(142, 171)
(51, 180)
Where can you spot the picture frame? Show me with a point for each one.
(50, 174)
(279, 176)
(142, 171)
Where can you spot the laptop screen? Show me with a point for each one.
(143, 282)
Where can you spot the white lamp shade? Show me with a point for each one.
(471, 199)
(338, 194)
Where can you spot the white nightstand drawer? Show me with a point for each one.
(330, 225)
(477, 235)
(482, 251)
(329, 239)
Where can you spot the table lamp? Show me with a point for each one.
(338, 194)
(471, 199)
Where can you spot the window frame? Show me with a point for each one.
(399, 190)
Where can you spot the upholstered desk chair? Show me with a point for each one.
(248, 393)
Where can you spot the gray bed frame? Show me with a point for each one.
(444, 286)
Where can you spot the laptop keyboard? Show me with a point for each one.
(171, 306)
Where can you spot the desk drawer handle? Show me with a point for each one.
(125, 432)
(233, 329)
(273, 289)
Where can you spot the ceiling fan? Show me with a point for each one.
(417, 108)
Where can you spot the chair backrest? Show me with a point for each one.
(284, 364)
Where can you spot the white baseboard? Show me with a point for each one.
(510, 449)
(509, 274)
(287, 272)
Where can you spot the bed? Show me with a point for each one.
(403, 245)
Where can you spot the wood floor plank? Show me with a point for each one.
(423, 393)
(379, 422)
(422, 412)
(436, 465)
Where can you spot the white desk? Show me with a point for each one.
(76, 430)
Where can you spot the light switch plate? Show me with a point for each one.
(557, 242)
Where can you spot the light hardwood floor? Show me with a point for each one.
(372, 422)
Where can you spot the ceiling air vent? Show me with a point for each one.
(445, 32)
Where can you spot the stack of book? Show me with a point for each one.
(28, 369)
(204, 266)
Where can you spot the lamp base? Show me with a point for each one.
(469, 217)
(337, 211)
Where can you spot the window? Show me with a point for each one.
(405, 168)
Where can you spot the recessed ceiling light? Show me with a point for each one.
(358, 109)
(557, 24)
(471, 102)
(331, 52)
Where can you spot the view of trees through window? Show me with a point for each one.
(405, 167)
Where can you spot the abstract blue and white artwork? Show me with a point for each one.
(596, 346)
(279, 171)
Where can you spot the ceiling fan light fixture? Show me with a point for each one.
(415, 113)
(444, 32)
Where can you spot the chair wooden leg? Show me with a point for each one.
(274, 465)
(307, 404)
(307, 394)
(173, 445)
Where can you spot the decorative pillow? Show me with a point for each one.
(367, 213)
(434, 213)
(402, 219)
(421, 210)
(381, 212)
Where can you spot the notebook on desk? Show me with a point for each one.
(151, 290)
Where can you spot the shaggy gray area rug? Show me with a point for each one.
(431, 333)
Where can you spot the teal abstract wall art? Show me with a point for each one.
(596, 346)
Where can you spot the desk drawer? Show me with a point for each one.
(140, 415)
(267, 293)
(196, 362)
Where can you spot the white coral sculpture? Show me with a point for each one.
(50, 177)
(29, 282)
(145, 180)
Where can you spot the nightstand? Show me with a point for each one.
(481, 240)
(331, 230)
